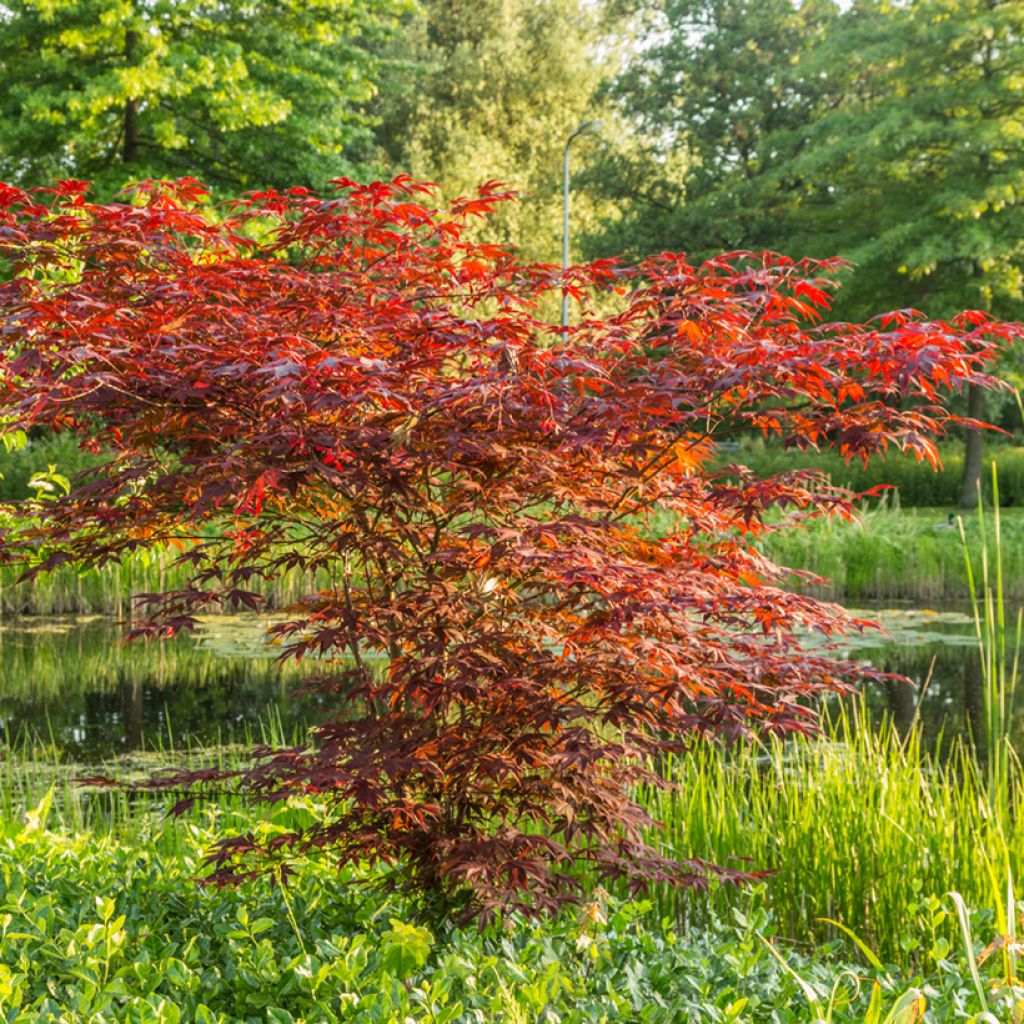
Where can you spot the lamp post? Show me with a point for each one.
(583, 129)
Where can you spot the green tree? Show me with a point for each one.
(490, 89)
(890, 133)
(236, 92)
(718, 100)
(920, 166)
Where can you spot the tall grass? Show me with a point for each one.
(892, 553)
(108, 591)
(999, 662)
(854, 829)
(898, 554)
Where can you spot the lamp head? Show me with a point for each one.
(585, 128)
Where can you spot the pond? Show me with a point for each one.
(937, 649)
(68, 686)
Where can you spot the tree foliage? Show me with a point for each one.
(244, 94)
(729, 84)
(490, 90)
(529, 581)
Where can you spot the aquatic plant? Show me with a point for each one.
(858, 828)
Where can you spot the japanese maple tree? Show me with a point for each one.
(532, 580)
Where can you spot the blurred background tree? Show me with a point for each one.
(491, 89)
(238, 94)
(890, 133)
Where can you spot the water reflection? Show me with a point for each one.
(69, 684)
(937, 651)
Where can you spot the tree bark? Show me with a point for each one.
(130, 133)
(971, 488)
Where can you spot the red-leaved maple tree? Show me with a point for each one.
(538, 582)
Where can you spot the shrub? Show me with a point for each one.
(348, 385)
(916, 483)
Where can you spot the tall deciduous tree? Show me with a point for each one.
(243, 93)
(350, 386)
(490, 90)
(728, 84)
(891, 133)
(920, 165)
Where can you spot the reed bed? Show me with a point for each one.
(109, 591)
(859, 826)
(855, 827)
(892, 554)
(896, 554)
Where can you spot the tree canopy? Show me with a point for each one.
(890, 134)
(242, 94)
(349, 385)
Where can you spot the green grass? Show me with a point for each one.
(898, 554)
(856, 828)
(108, 591)
(892, 554)
(915, 484)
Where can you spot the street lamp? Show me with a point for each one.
(585, 128)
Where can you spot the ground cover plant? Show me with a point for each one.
(350, 385)
(101, 924)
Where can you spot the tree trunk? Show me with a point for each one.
(970, 491)
(130, 148)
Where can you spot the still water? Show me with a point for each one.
(68, 685)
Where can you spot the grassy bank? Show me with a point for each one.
(108, 591)
(916, 484)
(898, 555)
(892, 554)
(905, 550)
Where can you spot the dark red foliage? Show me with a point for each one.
(350, 386)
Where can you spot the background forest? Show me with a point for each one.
(888, 133)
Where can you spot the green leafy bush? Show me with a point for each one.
(94, 928)
(19, 465)
(916, 482)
